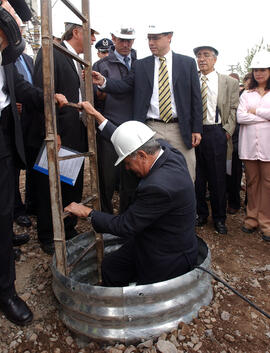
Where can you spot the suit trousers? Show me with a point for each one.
(170, 132)
(120, 268)
(258, 191)
(211, 169)
(7, 265)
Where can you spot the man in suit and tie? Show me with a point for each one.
(220, 96)
(71, 129)
(159, 225)
(118, 109)
(166, 94)
(12, 88)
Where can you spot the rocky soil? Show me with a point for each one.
(228, 324)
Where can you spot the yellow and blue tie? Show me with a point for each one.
(165, 104)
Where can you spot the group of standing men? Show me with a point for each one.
(182, 106)
(164, 91)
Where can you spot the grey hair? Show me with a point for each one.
(150, 147)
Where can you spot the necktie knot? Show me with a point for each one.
(204, 79)
(162, 59)
(126, 60)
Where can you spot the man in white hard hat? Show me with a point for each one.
(118, 109)
(166, 93)
(220, 97)
(159, 226)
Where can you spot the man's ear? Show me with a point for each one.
(142, 154)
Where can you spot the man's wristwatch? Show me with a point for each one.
(89, 217)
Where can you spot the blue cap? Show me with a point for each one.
(103, 44)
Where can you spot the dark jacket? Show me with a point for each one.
(161, 219)
(67, 82)
(19, 90)
(116, 107)
(186, 87)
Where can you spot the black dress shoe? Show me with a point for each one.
(265, 237)
(16, 310)
(248, 229)
(23, 221)
(220, 227)
(17, 254)
(48, 248)
(200, 221)
(20, 239)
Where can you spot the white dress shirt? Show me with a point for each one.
(153, 111)
(73, 51)
(212, 95)
(4, 98)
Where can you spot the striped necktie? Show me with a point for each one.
(204, 96)
(165, 104)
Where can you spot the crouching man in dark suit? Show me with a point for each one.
(159, 226)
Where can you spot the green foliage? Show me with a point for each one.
(243, 69)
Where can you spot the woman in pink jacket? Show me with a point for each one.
(253, 115)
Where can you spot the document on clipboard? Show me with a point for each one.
(69, 168)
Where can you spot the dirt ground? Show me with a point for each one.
(228, 324)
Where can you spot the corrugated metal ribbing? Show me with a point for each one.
(127, 314)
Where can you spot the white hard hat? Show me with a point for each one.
(261, 60)
(124, 33)
(128, 137)
(209, 47)
(159, 29)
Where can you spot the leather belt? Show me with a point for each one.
(173, 120)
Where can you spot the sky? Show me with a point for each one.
(231, 26)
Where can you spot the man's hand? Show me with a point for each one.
(78, 209)
(98, 79)
(60, 99)
(196, 139)
(89, 109)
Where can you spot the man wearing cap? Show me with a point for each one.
(12, 87)
(68, 81)
(220, 96)
(118, 109)
(159, 225)
(166, 94)
(103, 47)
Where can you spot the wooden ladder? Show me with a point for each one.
(51, 142)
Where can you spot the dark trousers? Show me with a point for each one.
(44, 215)
(211, 170)
(7, 266)
(234, 182)
(109, 176)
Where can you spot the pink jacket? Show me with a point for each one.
(254, 135)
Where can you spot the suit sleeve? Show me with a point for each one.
(147, 208)
(27, 93)
(121, 86)
(234, 101)
(196, 100)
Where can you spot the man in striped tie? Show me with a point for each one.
(166, 93)
(220, 95)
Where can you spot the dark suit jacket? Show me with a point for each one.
(161, 219)
(67, 82)
(186, 86)
(19, 90)
(28, 113)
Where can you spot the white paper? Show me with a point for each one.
(69, 168)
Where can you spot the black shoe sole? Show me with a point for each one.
(248, 230)
(20, 323)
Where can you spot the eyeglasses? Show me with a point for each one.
(155, 36)
(204, 55)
